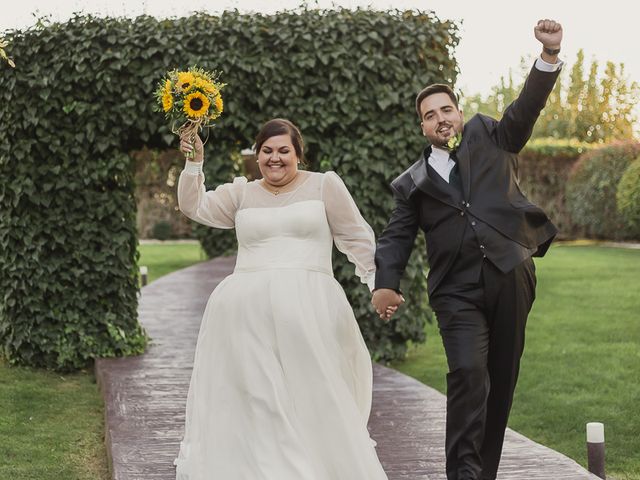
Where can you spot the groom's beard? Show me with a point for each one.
(440, 141)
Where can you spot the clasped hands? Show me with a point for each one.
(386, 302)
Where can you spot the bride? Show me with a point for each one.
(282, 379)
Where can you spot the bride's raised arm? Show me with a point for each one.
(215, 208)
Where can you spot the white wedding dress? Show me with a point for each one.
(282, 379)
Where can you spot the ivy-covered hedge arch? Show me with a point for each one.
(80, 99)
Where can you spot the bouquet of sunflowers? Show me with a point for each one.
(190, 99)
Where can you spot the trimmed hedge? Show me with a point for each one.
(628, 197)
(592, 189)
(544, 169)
(68, 275)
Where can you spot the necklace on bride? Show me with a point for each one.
(279, 189)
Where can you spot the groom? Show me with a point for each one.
(481, 233)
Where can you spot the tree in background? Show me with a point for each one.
(595, 109)
(500, 97)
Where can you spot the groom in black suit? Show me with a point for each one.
(481, 232)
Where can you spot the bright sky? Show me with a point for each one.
(495, 33)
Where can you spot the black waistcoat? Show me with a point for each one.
(479, 241)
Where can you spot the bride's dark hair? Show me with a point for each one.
(282, 126)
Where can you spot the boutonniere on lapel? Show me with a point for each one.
(454, 142)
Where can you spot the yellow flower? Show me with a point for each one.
(167, 98)
(205, 85)
(196, 105)
(454, 142)
(167, 102)
(185, 80)
(219, 104)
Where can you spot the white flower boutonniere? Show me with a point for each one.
(454, 142)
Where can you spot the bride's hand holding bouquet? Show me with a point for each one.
(192, 149)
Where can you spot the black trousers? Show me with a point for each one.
(482, 326)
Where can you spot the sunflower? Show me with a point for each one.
(167, 102)
(185, 80)
(196, 105)
(167, 98)
(219, 104)
(206, 86)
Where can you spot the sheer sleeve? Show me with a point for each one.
(351, 233)
(215, 208)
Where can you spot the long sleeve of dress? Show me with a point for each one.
(351, 233)
(215, 208)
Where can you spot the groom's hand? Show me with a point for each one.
(549, 33)
(386, 302)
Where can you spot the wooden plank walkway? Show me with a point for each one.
(145, 399)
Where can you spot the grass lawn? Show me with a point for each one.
(163, 258)
(52, 425)
(582, 356)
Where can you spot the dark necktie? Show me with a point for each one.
(454, 175)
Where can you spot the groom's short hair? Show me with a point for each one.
(435, 88)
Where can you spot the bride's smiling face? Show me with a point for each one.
(277, 160)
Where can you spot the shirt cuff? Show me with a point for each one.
(548, 67)
(371, 282)
(193, 168)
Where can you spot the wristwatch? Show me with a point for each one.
(551, 51)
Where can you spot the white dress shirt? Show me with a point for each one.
(441, 162)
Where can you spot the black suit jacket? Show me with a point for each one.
(488, 165)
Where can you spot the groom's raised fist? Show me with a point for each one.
(549, 33)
